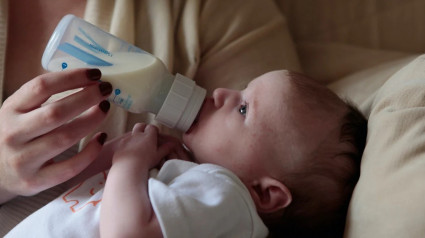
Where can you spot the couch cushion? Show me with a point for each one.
(361, 87)
(395, 25)
(389, 199)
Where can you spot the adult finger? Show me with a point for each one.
(46, 118)
(35, 92)
(63, 137)
(62, 171)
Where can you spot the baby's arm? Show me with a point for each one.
(104, 160)
(126, 209)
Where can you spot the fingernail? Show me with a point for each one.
(93, 74)
(102, 138)
(104, 106)
(105, 88)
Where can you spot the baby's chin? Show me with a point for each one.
(195, 121)
(190, 154)
(186, 140)
(191, 128)
(190, 135)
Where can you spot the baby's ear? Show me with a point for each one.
(270, 195)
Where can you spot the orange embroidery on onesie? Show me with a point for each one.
(81, 195)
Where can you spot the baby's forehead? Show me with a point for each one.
(286, 92)
(313, 92)
(295, 115)
(289, 82)
(294, 104)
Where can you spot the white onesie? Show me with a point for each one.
(189, 200)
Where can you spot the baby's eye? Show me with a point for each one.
(243, 108)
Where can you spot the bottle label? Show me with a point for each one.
(121, 98)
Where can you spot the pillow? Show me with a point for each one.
(361, 87)
(236, 46)
(389, 199)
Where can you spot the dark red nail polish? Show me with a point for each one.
(105, 88)
(93, 74)
(102, 138)
(104, 106)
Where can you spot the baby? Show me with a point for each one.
(294, 145)
(284, 152)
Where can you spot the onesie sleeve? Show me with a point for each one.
(203, 201)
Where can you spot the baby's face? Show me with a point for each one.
(242, 130)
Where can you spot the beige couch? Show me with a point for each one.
(369, 51)
(366, 50)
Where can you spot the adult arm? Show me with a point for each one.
(33, 132)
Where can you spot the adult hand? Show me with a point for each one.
(32, 133)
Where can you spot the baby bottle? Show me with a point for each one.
(140, 81)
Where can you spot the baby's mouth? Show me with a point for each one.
(193, 125)
(195, 122)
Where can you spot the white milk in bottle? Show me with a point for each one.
(140, 81)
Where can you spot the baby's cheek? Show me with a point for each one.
(213, 153)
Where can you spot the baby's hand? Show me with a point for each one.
(141, 148)
(178, 152)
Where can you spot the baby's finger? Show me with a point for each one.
(62, 171)
(166, 138)
(151, 129)
(166, 149)
(182, 153)
(139, 127)
(35, 92)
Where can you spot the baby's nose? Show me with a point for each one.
(219, 96)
